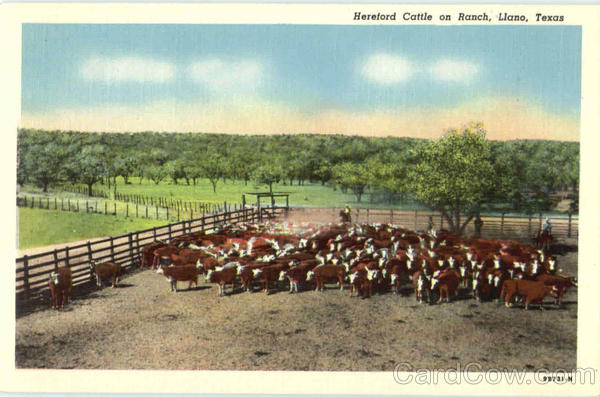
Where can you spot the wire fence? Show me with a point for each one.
(179, 210)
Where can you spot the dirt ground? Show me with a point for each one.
(125, 328)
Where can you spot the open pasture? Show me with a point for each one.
(124, 328)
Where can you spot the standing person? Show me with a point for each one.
(346, 214)
(478, 225)
(547, 227)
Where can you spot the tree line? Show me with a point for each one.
(461, 173)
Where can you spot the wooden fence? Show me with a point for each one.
(494, 227)
(180, 210)
(32, 271)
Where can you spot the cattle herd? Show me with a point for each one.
(366, 258)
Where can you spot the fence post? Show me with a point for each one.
(154, 232)
(105, 208)
(136, 210)
(169, 232)
(67, 257)
(115, 209)
(502, 224)
(48, 203)
(177, 214)
(69, 203)
(127, 209)
(137, 244)
(203, 221)
(26, 276)
(112, 249)
(529, 226)
(569, 230)
(89, 247)
(55, 207)
(87, 207)
(130, 240)
(156, 206)
(441, 221)
(146, 211)
(55, 254)
(416, 220)
(540, 225)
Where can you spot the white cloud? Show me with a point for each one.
(454, 71)
(123, 69)
(227, 76)
(387, 69)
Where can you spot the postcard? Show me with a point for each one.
(301, 198)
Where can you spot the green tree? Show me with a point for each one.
(353, 176)
(155, 173)
(212, 167)
(268, 174)
(89, 165)
(454, 174)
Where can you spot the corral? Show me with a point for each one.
(125, 328)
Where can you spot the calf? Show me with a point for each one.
(180, 273)
(104, 271)
(421, 285)
(447, 284)
(223, 277)
(269, 274)
(531, 291)
(297, 274)
(326, 273)
(163, 252)
(148, 253)
(61, 286)
(562, 284)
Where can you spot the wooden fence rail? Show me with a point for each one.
(503, 226)
(32, 270)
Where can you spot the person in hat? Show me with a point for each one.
(547, 227)
(347, 214)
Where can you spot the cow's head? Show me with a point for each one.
(282, 275)
(209, 274)
(309, 275)
(451, 262)
(55, 278)
(434, 283)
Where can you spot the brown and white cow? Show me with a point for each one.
(531, 291)
(104, 271)
(61, 287)
(180, 273)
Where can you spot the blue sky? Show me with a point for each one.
(520, 81)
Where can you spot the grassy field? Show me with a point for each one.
(38, 228)
(310, 194)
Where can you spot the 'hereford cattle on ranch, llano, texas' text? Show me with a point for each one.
(367, 258)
